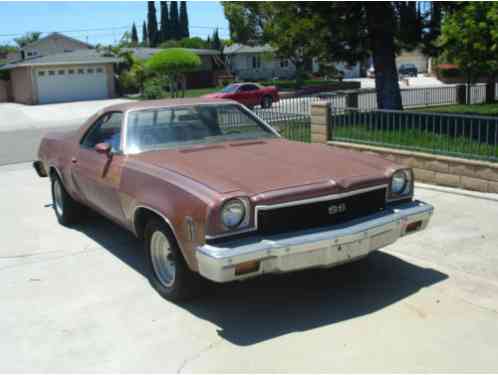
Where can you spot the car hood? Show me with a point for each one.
(272, 165)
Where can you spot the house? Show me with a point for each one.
(58, 68)
(212, 66)
(260, 63)
(257, 63)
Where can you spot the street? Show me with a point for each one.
(77, 300)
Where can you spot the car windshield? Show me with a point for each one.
(230, 88)
(174, 127)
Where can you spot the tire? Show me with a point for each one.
(168, 272)
(266, 102)
(67, 210)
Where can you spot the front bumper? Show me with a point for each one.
(324, 247)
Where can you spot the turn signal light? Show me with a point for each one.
(246, 267)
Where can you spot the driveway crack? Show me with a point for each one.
(198, 354)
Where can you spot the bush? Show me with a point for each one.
(154, 89)
(173, 60)
(449, 71)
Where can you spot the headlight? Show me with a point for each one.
(233, 213)
(401, 184)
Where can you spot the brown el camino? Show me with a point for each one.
(216, 193)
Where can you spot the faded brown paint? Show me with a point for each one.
(179, 184)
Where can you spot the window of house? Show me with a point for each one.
(89, 70)
(70, 71)
(81, 71)
(256, 62)
(51, 73)
(99, 70)
(32, 53)
(61, 72)
(284, 63)
(41, 74)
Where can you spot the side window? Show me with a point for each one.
(249, 88)
(107, 129)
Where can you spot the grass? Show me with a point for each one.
(295, 130)
(417, 140)
(194, 93)
(469, 109)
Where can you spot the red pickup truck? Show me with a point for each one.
(249, 94)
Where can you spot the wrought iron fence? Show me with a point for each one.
(294, 125)
(474, 137)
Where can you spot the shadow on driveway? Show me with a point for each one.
(271, 306)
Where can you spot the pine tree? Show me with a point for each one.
(134, 34)
(216, 43)
(152, 22)
(175, 22)
(184, 20)
(165, 22)
(144, 34)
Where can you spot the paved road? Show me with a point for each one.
(77, 300)
(23, 126)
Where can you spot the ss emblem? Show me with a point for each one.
(337, 208)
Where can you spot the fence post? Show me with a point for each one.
(320, 122)
(461, 91)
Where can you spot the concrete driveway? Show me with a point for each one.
(22, 126)
(78, 300)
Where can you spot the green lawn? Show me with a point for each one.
(469, 109)
(417, 140)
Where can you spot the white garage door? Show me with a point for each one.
(71, 84)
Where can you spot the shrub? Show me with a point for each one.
(153, 89)
(449, 71)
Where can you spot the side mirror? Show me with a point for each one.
(103, 148)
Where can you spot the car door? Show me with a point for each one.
(243, 95)
(252, 94)
(98, 175)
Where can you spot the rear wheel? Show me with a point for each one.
(266, 102)
(168, 272)
(67, 210)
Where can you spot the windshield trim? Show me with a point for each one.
(243, 108)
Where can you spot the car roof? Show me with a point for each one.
(163, 103)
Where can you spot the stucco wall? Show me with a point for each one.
(4, 91)
(22, 86)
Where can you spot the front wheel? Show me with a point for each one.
(168, 272)
(67, 210)
(266, 102)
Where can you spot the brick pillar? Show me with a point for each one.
(461, 94)
(320, 122)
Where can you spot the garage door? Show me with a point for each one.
(71, 84)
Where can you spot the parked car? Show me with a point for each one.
(408, 70)
(215, 193)
(249, 94)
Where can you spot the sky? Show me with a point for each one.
(103, 22)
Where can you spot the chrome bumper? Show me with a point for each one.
(312, 248)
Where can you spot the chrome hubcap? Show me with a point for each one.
(58, 197)
(162, 258)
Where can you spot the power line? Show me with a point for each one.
(103, 29)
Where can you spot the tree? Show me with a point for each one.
(194, 42)
(27, 38)
(216, 42)
(134, 34)
(173, 64)
(184, 20)
(153, 34)
(469, 38)
(342, 31)
(175, 22)
(165, 22)
(145, 34)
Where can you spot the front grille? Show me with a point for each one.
(318, 214)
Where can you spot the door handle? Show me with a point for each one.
(74, 160)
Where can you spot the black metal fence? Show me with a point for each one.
(474, 137)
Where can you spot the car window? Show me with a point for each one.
(173, 127)
(249, 88)
(107, 129)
